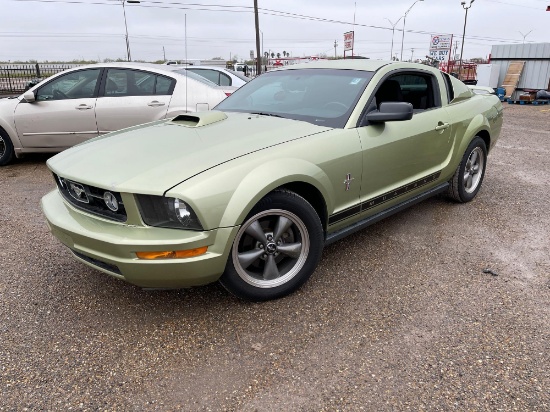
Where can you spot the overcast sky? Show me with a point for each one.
(94, 29)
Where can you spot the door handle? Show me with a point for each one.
(83, 107)
(155, 103)
(442, 126)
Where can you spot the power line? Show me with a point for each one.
(271, 12)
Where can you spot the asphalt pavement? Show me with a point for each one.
(441, 307)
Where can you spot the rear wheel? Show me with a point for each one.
(469, 174)
(276, 249)
(6, 148)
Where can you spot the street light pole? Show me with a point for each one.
(392, 33)
(262, 51)
(463, 35)
(126, 26)
(525, 35)
(404, 19)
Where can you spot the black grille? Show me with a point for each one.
(92, 199)
(98, 263)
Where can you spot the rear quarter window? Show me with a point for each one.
(449, 86)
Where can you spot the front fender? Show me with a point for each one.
(269, 176)
(7, 123)
(224, 195)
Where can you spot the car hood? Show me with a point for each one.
(153, 158)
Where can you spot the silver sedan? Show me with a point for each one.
(87, 101)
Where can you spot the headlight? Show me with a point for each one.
(160, 211)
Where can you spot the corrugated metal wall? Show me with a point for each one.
(536, 73)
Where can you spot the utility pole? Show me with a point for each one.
(163, 53)
(335, 45)
(412, 54)
(257, 22)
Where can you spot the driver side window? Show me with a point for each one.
(74, 85)
(414, 88)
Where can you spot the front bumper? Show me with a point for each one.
(111, 247)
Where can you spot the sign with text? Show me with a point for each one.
(348, 41)
(440, 47)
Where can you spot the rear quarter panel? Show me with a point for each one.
(480, 115)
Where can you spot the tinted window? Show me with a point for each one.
(195, 76)
(211, 75)
(165, 85)
(239, 75)
(414, 88)
(124, 82)
(449, 86)
(225, 80)
(74, 85)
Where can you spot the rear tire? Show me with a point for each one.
(276, 249)
(6, 149)
(469, 174)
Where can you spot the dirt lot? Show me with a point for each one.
(399, 316)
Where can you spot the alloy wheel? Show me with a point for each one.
(270, 248)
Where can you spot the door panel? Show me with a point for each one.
(398, 153)
(58, 123)
(63, 114)
(114, 113)
(132, 97)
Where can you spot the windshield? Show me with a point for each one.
(325, 97)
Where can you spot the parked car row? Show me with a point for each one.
(78, 104)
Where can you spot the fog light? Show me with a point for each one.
(172, 254)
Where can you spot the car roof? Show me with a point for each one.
(353, 64)
(158, 68)
(205, 67)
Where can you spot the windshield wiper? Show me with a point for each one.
(267, 114)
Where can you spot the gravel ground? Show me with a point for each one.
(399, 316)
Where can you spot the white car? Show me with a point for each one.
(78, 104)
(219, 75)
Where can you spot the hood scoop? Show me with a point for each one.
(199, 119)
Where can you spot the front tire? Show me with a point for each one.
(276, 249)
(469, 174)
(6, 149)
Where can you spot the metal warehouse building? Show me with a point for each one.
(536, 72)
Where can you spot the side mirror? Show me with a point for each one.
(29, 97)
(391, 112)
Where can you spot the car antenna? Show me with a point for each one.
(186, 61)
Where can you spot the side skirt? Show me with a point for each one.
(342, 233)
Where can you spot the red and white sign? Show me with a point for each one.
(440, 47)
(348, 41)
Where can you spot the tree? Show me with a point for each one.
(272, 55)
(278, 55)
(284, 53)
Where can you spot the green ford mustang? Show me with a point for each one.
(249, 194)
